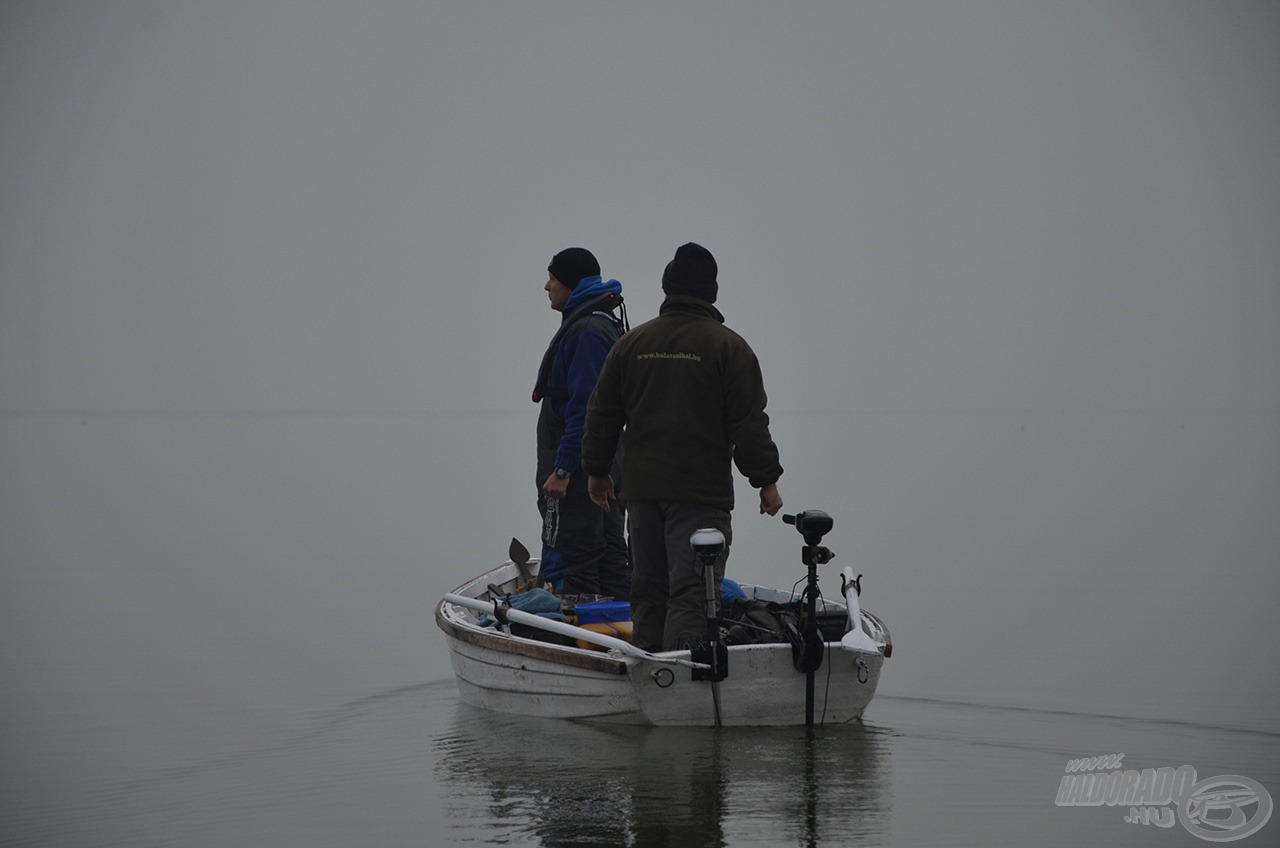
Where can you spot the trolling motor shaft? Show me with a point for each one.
(708, 544)
(813, 524)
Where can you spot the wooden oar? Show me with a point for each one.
(522, 617)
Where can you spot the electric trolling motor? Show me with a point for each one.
(707, 544)
(813, 524)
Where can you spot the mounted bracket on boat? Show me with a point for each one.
(816, 555)
(713, 654)
(500, 610)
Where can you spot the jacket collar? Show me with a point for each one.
(687, 305)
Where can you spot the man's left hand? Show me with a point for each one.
(600, 489)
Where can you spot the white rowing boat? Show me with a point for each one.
(610, 680)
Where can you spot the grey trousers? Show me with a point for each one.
(668, 603)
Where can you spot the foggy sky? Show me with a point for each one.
(922, 206)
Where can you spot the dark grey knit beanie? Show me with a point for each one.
(570, 265)
(692, 272)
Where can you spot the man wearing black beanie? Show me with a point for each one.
(584, 551)
(684, 395)
(692, 272)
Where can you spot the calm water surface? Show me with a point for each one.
(217, 631)
(414, 766)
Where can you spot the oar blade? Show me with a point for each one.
(519, 554)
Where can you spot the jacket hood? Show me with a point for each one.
(591, 287)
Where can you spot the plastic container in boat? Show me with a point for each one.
(603, 611)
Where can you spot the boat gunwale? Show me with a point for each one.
(472, 634)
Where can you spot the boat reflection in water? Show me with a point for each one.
(568, 783)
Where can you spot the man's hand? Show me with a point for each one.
(601, 491)
(770, 500)
(556, 487)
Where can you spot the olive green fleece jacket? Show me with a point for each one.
(685, 394)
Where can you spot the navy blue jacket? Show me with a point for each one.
(569, 371)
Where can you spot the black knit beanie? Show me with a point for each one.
(691, 272)
(570, 265)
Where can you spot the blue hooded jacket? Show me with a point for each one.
(573, 361)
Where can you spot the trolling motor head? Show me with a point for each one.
(813, 524)
(707, 543)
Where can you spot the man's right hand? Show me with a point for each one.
(601, 491)
(770, 500)
(556, 487)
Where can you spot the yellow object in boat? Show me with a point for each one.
(616, 629)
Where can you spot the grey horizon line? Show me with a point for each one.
(420, 412)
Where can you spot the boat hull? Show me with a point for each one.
(508, 673)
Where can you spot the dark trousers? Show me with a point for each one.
(668, 589)
(584, 549)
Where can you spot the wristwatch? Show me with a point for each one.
(562, 473)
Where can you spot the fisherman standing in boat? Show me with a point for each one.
(584, 551)
(685, 396)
